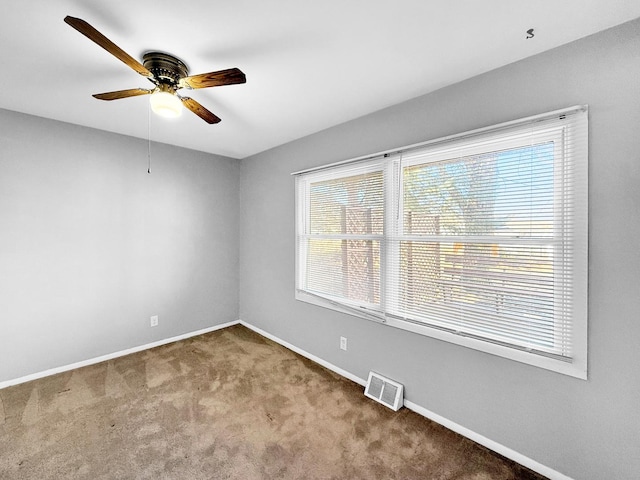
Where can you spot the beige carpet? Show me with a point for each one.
(229, 404)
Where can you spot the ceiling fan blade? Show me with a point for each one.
(199, 110)
(95, 36)
(133, 92)
(230, 76)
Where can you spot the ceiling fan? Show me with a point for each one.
(166, 72)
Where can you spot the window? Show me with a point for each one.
(479, 239)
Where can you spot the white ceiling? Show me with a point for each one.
(309, 64)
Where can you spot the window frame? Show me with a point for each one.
(457, 146)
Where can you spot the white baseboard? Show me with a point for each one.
(109, 356)
(465, 432)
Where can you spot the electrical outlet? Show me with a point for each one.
(343, 343)
(154, 321)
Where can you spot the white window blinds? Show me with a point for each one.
(479, 239)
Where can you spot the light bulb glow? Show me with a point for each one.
(166, 104)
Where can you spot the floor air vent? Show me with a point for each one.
(384, 391)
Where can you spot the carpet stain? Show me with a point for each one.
(225, 405)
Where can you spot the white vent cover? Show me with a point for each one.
(384, 391)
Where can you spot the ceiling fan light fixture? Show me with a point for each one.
(167, 72)
(166, 104)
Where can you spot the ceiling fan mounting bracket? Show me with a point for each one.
(166, 68)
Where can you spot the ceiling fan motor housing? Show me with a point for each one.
(167, 69)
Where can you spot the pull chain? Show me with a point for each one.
(149, 138)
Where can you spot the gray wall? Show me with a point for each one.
(91, 245)
(583, 429)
